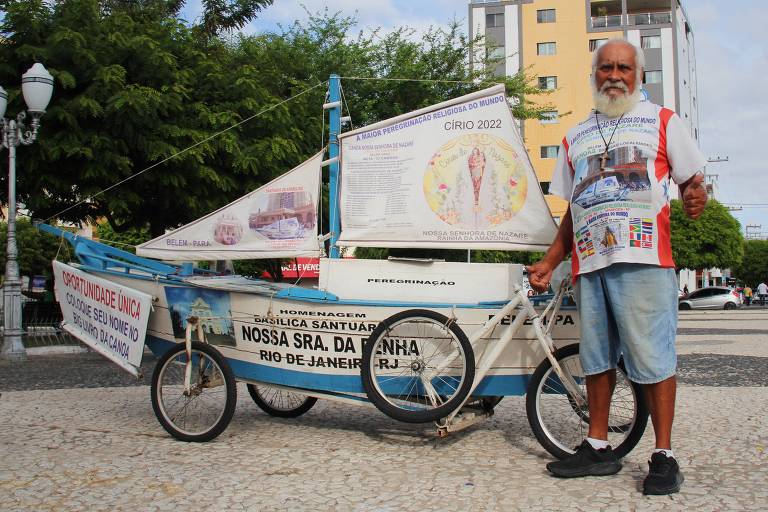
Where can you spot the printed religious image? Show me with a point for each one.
(228, 230)
(611, 237)
(284, 216)
(212, 309)
(621, 176)
(475, 181)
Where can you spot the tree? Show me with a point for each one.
(753, 268)
(138, 91)
(36, 249)
(712, 240)
(126, 240)
(133, 90)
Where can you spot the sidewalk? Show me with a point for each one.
(103, 449)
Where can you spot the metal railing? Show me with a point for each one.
(643, 18)
(40, 322)
(649, 18)
(606, 21)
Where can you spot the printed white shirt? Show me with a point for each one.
(620, 210)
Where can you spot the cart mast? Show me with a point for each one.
(334, 121)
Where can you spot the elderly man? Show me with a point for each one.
(615, 168)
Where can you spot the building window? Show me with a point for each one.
(494, 20)
(544, 186)
(496, 53)
(547, 82)
(546, 48)
(549, 151)
(594, 44)
(549, 117)
(648, 42)
(545, 16)
(652, 77)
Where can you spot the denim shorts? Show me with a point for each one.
(629, 310)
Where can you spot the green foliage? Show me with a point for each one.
(36, 249)
(754, 265)
(712, 240)
(256, 268)
(482, 256)
(126, 240)
(221, 15)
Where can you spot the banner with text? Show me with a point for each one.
(277, 220)
(110, 318)
(454, 175)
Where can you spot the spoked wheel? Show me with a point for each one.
(202, 412)
(280, 402)
(560, 424)
(417, 366)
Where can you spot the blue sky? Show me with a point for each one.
(732, 60)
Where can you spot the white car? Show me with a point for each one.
(711, 297)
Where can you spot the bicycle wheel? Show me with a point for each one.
(417, 366)
(560, 424)
(280, 402)
(203, 412)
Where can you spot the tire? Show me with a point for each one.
(684, 306)
(426, 339)
(729, 305)
(560, 425)
(206, 412)
(280, 402)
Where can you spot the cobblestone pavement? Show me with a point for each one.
(101, 448)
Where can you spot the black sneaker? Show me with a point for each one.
(664, 476)
(586, 462)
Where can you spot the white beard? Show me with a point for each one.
(614, 107)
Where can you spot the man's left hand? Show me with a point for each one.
(694, 196)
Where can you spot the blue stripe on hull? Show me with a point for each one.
(493, 385)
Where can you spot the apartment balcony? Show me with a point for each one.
(649, 18)
(606, 21)
(632, 19)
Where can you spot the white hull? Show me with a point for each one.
(317, 344)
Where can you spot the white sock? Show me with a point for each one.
(597, 444)
(666, 451)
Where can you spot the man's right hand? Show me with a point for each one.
(539, 275)
(694, 196)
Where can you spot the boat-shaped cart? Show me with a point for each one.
(422, 340)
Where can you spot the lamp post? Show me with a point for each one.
(37, 88)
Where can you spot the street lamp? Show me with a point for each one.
(37, 88)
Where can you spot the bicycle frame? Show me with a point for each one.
(488, 357)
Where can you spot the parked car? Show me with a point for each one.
(711, 297)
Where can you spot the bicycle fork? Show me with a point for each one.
(192, 323)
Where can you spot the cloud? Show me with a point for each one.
(384, 14)
(733, 106)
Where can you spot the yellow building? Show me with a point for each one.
(554, 40)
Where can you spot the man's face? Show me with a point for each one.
(616, 72)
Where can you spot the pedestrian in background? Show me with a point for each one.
(747, 295)
(762, 292)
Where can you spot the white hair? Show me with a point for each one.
(639, 58)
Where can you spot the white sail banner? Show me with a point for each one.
(454, 175)
(277, 220)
